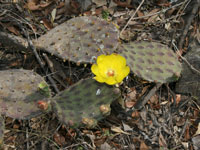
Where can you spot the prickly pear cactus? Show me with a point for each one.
(20, 91)
(152, 61)
(80, 38)
(2, 126)
(84, 103)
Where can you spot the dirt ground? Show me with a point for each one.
(169, 120)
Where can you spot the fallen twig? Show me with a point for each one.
(33, 48)
(141, 102)
(131, 17)
(51, 67)
(159, 12)
(188, 23)
(185, 60)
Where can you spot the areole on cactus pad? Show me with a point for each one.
(86, 102)
(80, 39)
(20, 92)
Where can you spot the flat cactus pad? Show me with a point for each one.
(19, 93)
(80, 38)
(85, 102)
(152, 61)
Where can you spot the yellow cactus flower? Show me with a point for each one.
(111, 69)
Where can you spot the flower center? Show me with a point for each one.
(110, 73)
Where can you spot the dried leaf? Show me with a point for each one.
(16, 126)
(185, 145)
(143, 146)
(164, 102)
(124, 4)
(196, 113)
(144, 90)
(100, 3)
(143, 115)
(126, 127)
(92, 138)
(198, 130)
(44, 5)
(129, 104)
(154, 16)
(53, 15)
(13, 30)
(135, 114)
(35, 5)
(47, 24)
(168, 26)
(187, 133)
(162, 141)
(59, 139)
(97, 11)
(132, 94)
(119, 130)
(180, 121)
(196, 143)
(140, 14)
(154, 99)
(105, 146)
(198, 35)
(31, 5)
(154, 11)
(178, 99)
(163, 3)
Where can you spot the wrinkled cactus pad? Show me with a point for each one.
(84, 103)
(2, 126)
(20, 90)
(152, 61)
(80, 39)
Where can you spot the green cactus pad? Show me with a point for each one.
(2, 126)
(80, 39)
(152, 61)
(20, 92)
(84, 102)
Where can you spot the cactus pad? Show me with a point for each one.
(152, 61)
(84, 103)
(80, 38)
(19, 93)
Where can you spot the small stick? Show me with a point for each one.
(131, 17)
(33, 48)
(51, 67)
(27, 137)
(159, 12)
(141, 102)
(185, 60)
(188, 23)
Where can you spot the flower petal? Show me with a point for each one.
(117, 61)
(126, 71)
(120, 62)
(111, 81)
(106, 63)
(95, 69)
(100, 59)
(99, 79)
(121, 75)
(103, 70)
